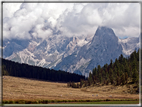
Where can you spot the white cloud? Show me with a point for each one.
(41, 32)
(123, 18)
(72, 19)
(10, 8)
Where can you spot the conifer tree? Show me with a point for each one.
(118, 82)
(111, 63)
(103, 73)
(4, 71)
(120, 58)
(90, 79)
(135, 76)
(95, 71)
(123, 79)
(126, 77)
(111, 79)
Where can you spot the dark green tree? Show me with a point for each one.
(111, 79)
(118, 82)
(123, 78)
(90, 79)
(135, 76)
(126, 77)
(4, 71)
(95, 71)
(120, 58)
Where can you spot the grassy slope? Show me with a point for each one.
(25, 89)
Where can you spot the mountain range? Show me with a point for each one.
(72, 54)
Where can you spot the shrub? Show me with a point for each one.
(107, 99)
(16, 102)
(74, 85)
(28, 102)
(11, 102)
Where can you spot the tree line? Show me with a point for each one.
(119, 72)
(12, 68)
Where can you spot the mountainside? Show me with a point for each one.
(45, 53)
(103, 47)
(129, 45)
(34, 72)
(71, 54)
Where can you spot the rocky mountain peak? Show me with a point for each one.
(71, 54)
(74, 40)
(104, 34)
(102, 30)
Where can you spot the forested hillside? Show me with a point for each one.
(28, 71)
(120, 72)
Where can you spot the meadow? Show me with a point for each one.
(34, 91)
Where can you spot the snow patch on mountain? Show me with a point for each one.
(129, 45)
(72, 54)
(82, 42)
(103, 47)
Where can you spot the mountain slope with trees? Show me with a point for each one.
(121, 72)
(118, 72)
(28, 71)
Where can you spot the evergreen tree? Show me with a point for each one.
(123, 79)
(99, 68)
(135, 76)
(90, 79)
(118, 82)
(126, 77)
(111, 79)
(111, 64)
(95, 71)
(94, 79)
(103, 73)
(4, 71)
(120, 58)
(107, 82)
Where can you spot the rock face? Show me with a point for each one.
(129, 45)
(70, 54)
(103, 47)
(13, 46)
(45, 53)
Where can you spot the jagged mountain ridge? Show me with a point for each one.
(71, 54)
(45, 53)
(129, 45)
(103, 47)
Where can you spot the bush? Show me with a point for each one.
(16, 102)
(11, 102)
(45, 102)
(5, 102)
(74, 85)
(28, 102)
(107, 99)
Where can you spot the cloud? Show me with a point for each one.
(71, 19)
(10, 8)
(123, 18)
(42, 32)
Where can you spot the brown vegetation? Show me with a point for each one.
(25, 89)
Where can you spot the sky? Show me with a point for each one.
(23, 20)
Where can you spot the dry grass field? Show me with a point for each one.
(15, 88)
